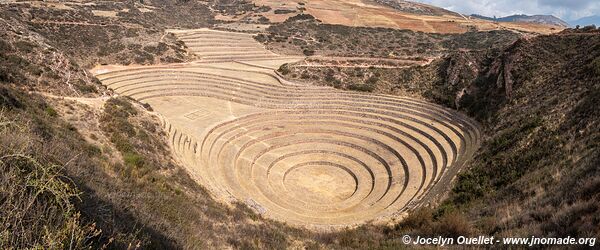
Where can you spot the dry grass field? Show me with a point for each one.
(371, 14)
(306, 155)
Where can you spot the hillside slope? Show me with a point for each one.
(303, 34)
(381, 13)
(416, 8)
(536, 173)
(110, 32)
(541, 160)
(81, 169)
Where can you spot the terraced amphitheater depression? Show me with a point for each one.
(302, 154)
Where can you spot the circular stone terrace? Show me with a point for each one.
(306, 155)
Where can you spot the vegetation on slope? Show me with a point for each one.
(132, 32)
(37, 201)
(442, 81)
(61, 191)
(121, 187)
(541, 160)
(303, 34)
(88, 176)
(537, 171)
(28, 60)
(118, 187)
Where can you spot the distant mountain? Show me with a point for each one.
(542, 19)
(587, 21)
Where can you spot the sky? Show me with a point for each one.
(567, 10)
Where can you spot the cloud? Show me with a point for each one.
(565, 9)
(571, 4)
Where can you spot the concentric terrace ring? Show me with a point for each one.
(306, 155)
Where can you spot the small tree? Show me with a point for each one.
(308, 52)
(372, 80)
(284, 69)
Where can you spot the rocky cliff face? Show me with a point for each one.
(462, 67)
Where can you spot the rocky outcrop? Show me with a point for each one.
(502, 67)
(462, 69)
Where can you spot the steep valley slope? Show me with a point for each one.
(82, 167)
(536, 100)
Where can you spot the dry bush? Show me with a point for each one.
(426, 221)
(453, 224)
(36, 200)
(421, 219)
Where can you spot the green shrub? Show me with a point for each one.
(372, 80)
(84, 88)
(283, 11)
(51, 112)
(329, 77)
(8, 99)
(17, 61)
(5, 47)
(25, 46)
(300, 17)
(362, 87)
(34, 70)
(37, 210)
(337, 84)
(161, 48)
(263, 19)
(143, 57)
(470, 186)
(121, 143)
(308, 52)
(120, 105)
(133, 159)
(596, 66)
(509, 137)
(150, 49)
(284, 69)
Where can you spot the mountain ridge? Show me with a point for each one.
(539, 19)
(417, 8)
